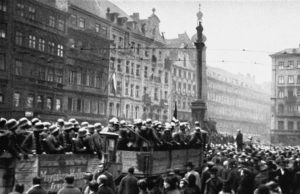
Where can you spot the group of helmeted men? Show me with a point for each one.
(22, 137)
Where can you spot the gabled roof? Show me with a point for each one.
(99, 7)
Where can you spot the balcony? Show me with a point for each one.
(290, 99)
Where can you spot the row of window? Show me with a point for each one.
(81, 23)
(39, 43)
(230, 80)
(185, 89)
(290, 125)
(131, 112)
(290, 92)
(134, 91)
(42, 102)
(135, 70)
(41, 72)
(233, 113)
(288, 108)
(85, 105)
(290, 64)
(120, 43)
(87, 77)
(184, 103)
(30, 12)
(290, 79)
(184, 74)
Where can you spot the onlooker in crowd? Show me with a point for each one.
(128, 184)
(239, 140)
(191, 187)
(88, 177)
(19, 189)
(103, 186)
(69, 187)
(142, 186)
(36, 187)
(170, 185)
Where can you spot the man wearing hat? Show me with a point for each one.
(33, 142)
(91, 148)
(213, 184)
(97, 139)
(181, 136)
(14, 146)
(239, 140)
(190, 170)
(65, 137)
(4, 136)
(52, 142)
(196, 138)
(60, 123)
(80, 143)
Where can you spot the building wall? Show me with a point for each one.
(285, 96)
(86, 67)
(137, 63)
(233, 101)
(34, 50)
(237, 103)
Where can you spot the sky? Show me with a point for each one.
(241, 34)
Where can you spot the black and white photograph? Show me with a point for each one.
(149, 97)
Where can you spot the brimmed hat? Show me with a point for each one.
(148, 121)
(82, 132)
(12, 124)
(47, 124)
(38, 126)
(84, 124)
(53, 129)
(97, 125)
(68, 126)
(34, 121)
(2, 122)
(90, 127)
(23, 123)
(60, 121)
(88, 176)
(122, 122)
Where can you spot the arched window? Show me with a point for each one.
(280, 108)
(127, 111)
(136, 112)
(111, 107)
(118, 109)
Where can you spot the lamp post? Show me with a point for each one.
(199, 106)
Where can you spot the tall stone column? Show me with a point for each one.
(199, 106)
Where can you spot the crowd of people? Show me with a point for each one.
(230, 165)
(24, 136)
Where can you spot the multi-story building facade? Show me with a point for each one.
(285, 124)
(137, 68)
(87, 62)
(182, 56)
(32, 54)
(235, 101)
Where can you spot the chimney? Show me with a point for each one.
(136, 16)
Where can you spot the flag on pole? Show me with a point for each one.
(114, 82)
(175, 113)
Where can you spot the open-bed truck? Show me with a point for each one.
(54, 167)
